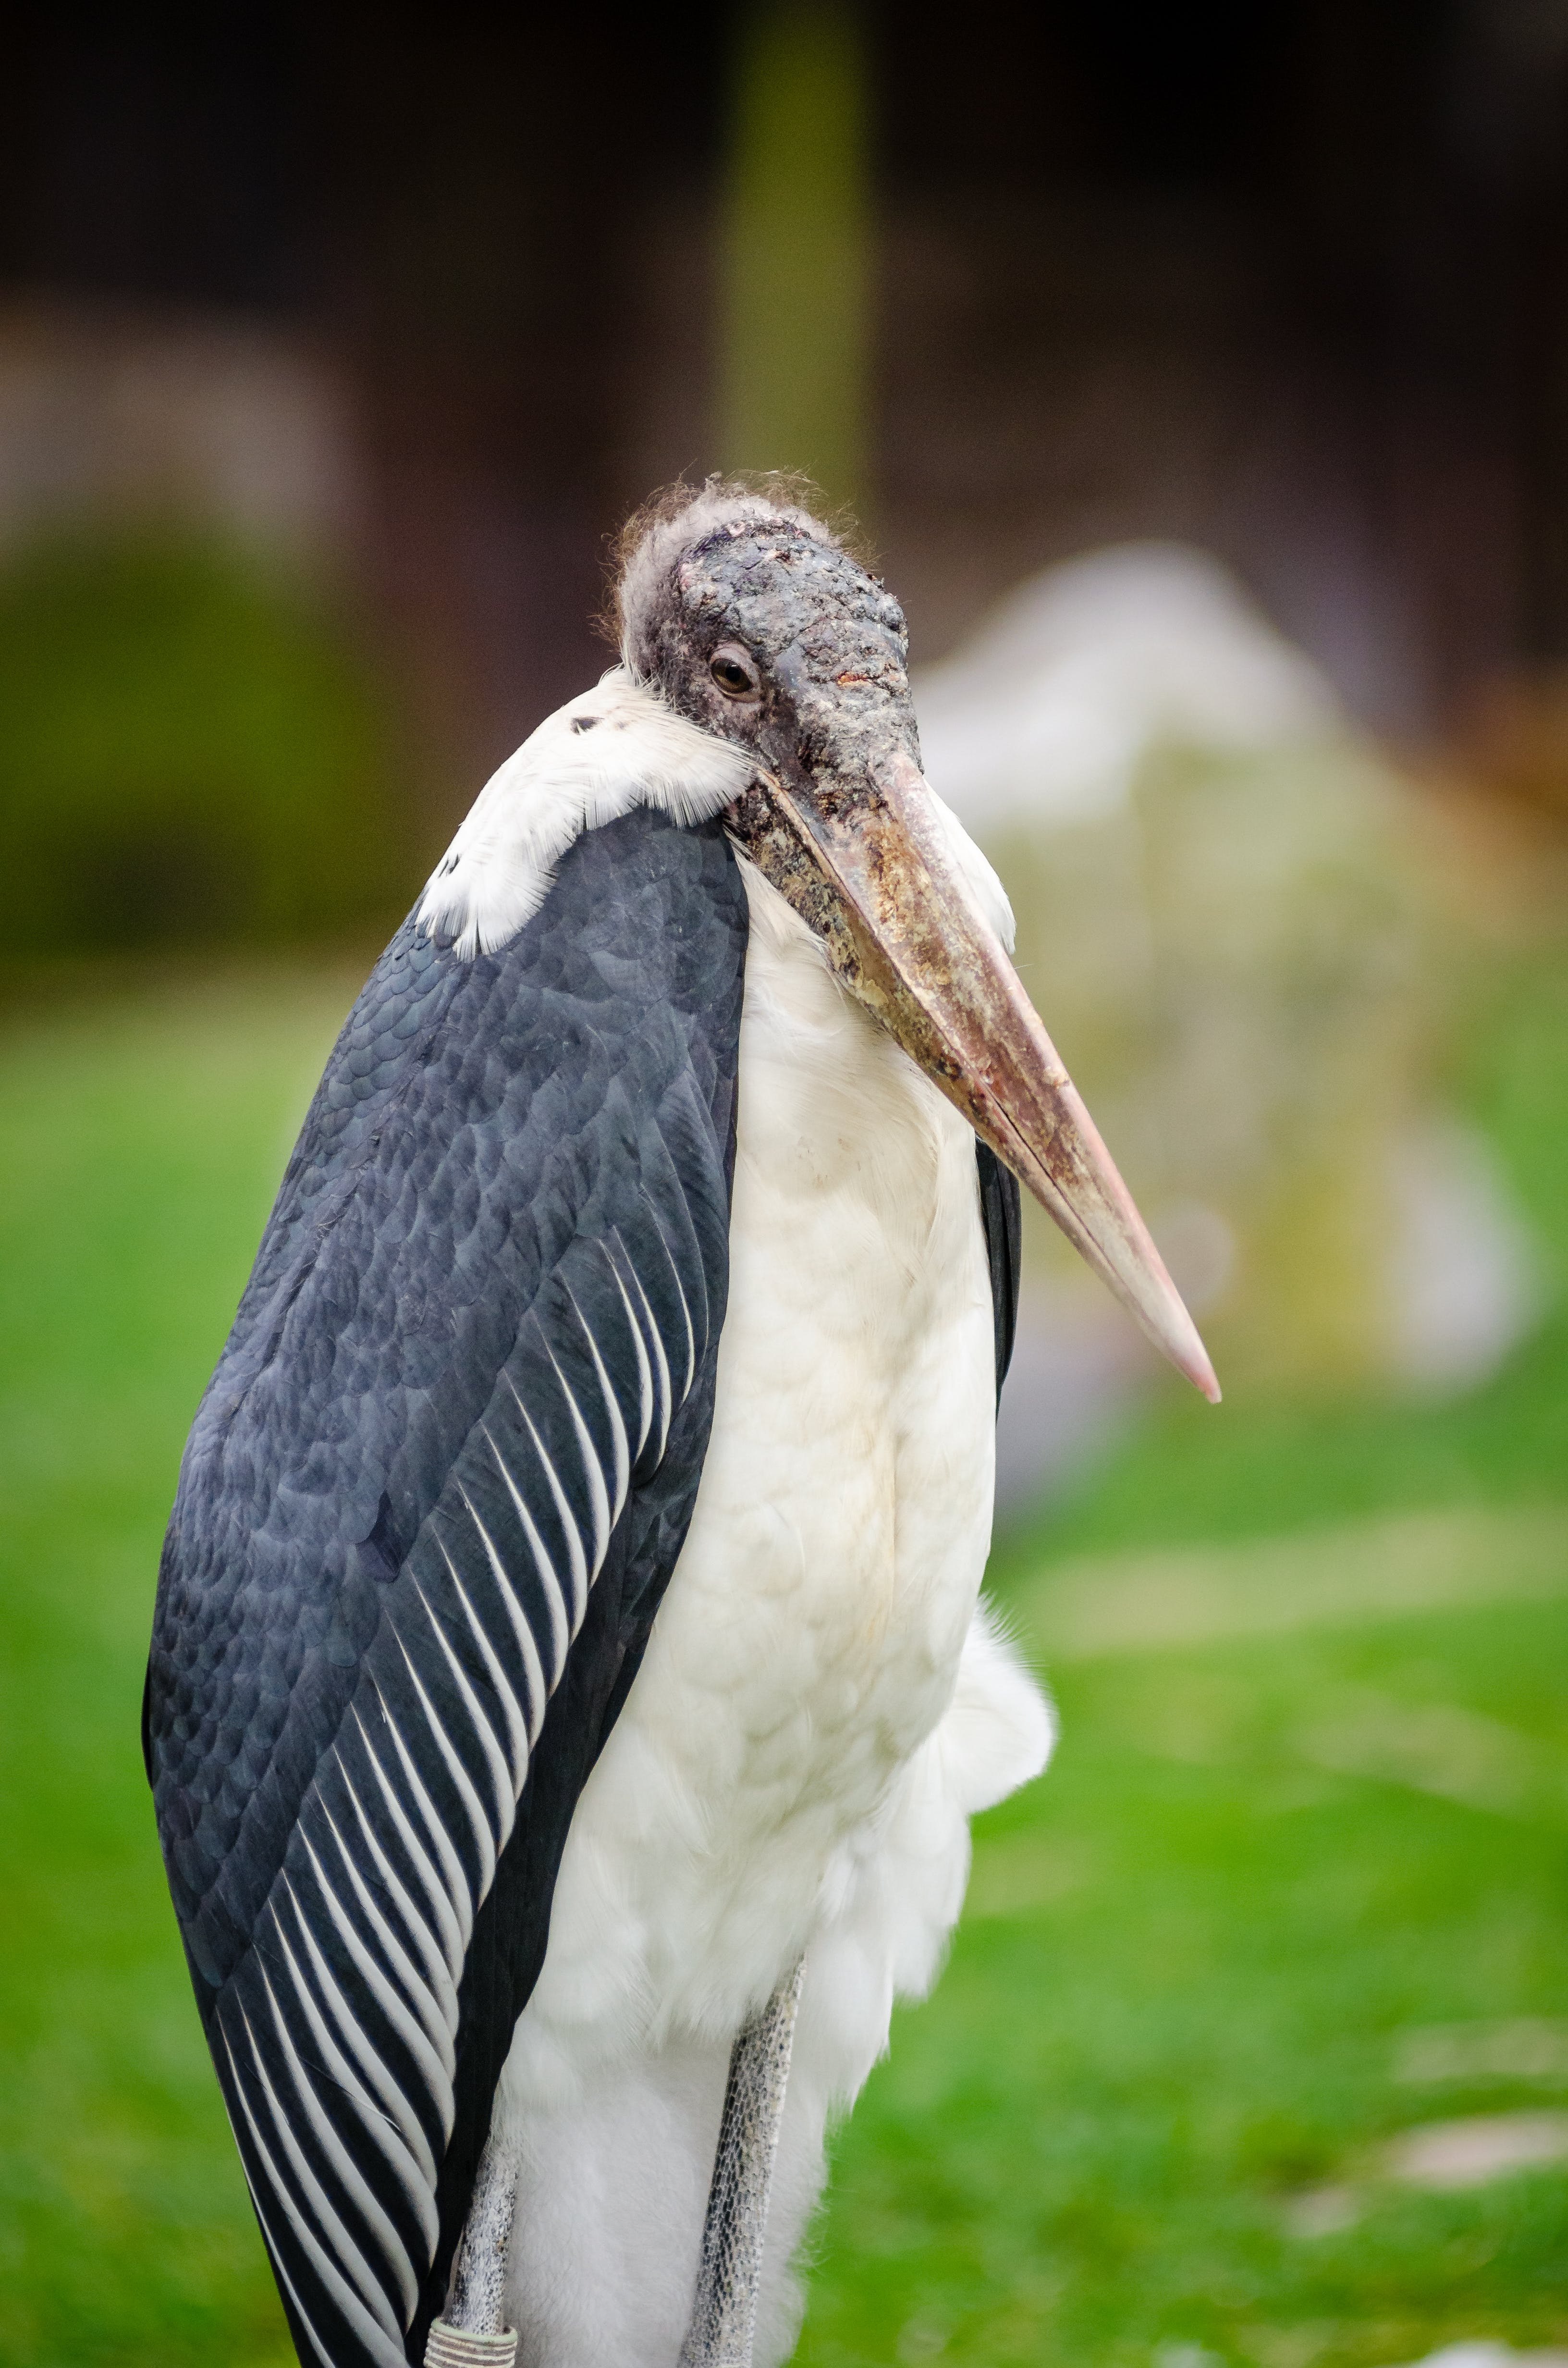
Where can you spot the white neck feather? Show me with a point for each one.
(612, 748)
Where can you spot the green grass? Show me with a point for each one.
(142, 1147)
(1177, 1998)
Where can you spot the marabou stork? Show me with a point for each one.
(568, 1687)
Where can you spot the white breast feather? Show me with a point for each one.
(821, 1707)
(611, 748)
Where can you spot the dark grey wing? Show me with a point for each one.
(1001, 1210)
(431, 1500)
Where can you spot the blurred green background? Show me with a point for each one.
(191, 748)
(1214, 441)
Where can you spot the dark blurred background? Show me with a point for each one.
(439, 296)
(1200, 378)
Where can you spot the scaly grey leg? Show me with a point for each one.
(473, 2330)
(723, 2317)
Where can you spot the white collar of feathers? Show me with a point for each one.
(612, 748)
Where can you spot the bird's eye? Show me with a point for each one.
(734, 677)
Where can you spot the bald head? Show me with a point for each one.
(754, 620)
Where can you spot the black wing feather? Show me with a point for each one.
(429, 1505)
(1000, 1210)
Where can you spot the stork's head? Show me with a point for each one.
(753, 620)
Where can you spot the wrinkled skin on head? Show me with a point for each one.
(832, 644)
(832, 710)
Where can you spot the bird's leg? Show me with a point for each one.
(723, 2317)
(473, 2328)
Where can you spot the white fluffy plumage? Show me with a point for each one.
(612, 748)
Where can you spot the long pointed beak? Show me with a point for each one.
(874, 875)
